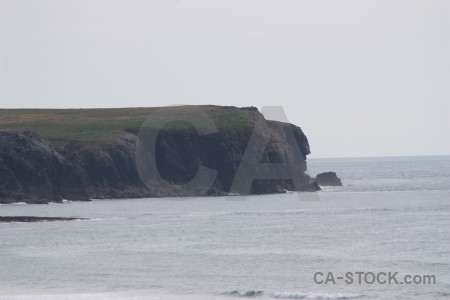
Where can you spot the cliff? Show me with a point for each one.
(83, 154)
(32, 171)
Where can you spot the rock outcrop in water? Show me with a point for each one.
(328, 179)
(32, 171)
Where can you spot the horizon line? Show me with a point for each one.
(379, 156)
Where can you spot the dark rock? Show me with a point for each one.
(109, 167)
(35, 219)
(34, 172)
(179, 153)
(328, 178)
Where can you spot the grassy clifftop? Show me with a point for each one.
(58, 126)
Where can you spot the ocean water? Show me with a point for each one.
(391, 215)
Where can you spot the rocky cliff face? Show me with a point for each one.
(33, 171)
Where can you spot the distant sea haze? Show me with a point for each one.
(391, 215)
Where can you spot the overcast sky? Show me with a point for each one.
(362, 78)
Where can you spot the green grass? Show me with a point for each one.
(88, 125)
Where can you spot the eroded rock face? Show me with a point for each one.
(33, 171)
(328, 179)
(109, 167)
(180, 153)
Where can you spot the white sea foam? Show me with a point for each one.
(330, 188)
(251, 293)
(299, 295)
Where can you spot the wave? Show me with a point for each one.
(327, 188)
(268, 213)
(293, 295)
(297, 295)
(251, 293)
(443, 294)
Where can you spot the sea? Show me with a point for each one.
(390, 220)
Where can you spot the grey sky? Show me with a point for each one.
(362, 78)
